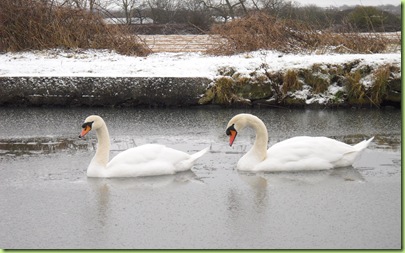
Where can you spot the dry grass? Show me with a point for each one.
(290, 82)
(353, 42)
(357, 92)
(36, 25)
(379, 88)
(261, 31)
(354, 88)
(224, 93)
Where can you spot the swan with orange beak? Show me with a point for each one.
(297, 153)
(144, 160)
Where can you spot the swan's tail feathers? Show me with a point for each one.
(349, 157)
(197, 155)
(187, 164)
(363, 145)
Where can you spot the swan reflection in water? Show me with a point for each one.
(104, 191)
(263, 184)
(148, 182)
(260, 179)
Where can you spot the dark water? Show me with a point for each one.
(46, 200)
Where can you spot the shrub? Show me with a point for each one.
(261, 31)
(37, 25)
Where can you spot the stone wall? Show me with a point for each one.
(101, 91)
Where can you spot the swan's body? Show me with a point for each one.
(145, 160)
(297, 153)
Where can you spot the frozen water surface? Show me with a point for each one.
(46, 200)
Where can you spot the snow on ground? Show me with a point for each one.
(103, 63)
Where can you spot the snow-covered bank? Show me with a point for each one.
(75, 77)
(102, 63)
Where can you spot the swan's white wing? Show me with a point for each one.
(146, 160)
(305, 153)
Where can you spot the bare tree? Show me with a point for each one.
(163, 11)
(272, 7)
(225, 8)
(91, 5)
(139, 11)
(128, 7)
(197, 14)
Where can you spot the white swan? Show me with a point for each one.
(297, 153)
(145, 160)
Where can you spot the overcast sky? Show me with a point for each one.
(327, 3)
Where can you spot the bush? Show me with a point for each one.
(261, 31)
(37, 25)
(367, 18)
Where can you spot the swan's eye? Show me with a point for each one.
(86, 128)
(231, 128)
(87, 124)
(231, 131)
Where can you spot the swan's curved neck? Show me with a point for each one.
(260, 144)
(101, 157)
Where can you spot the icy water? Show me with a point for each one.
(46, 200)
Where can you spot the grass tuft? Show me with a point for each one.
(355, 90)
(290, 82)
(379, 88)
(224, 92)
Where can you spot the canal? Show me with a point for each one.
(46, 200)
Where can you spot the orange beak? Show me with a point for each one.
(232, 136)
(231, 132)
(85, 130)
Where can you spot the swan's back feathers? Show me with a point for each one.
(310, 153)
(151, 160)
